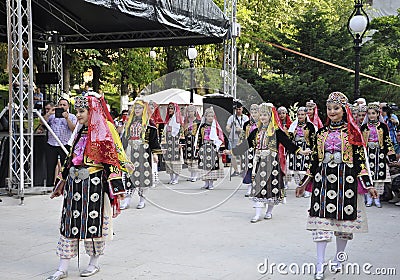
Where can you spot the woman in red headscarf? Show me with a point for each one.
(312, 113)
(142, 148)
(159, 124)
(171, 141)
(379, 148)
(338, 177)
(90, 181)
(267, 179)
(190, 127)
(209, 140)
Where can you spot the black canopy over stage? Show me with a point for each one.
(125, 23)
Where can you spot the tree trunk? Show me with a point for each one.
(66, 73)
(96, 78)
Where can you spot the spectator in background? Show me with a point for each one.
(85, 90)
(49, 110)
(392, 122)
(120, 124)
(38, 100)
(63, 125)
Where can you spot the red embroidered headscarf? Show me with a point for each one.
(100, 145)
(177, 113)
(355, 136)
(155, 115)
(190, 108)
(311, 105)
(288, 121)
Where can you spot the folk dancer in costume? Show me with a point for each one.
(339, 177)
(90, 181)
(379, 148)
(285, 121)
(190, 126)
(302, 133)
(284, 118)
(267, 181)
(362, 112)
(142, 148)
(171, 141)
(354, 111)
(158, 122)
(209, 141)
(247, 158)
(313, 114)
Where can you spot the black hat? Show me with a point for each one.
(237, 104)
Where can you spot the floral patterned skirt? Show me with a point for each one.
(348, 226)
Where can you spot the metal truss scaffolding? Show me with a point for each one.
(56, 65)
(230, 51)
(20, 67)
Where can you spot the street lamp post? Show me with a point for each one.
(153, 56)
(191, 54)
(357, 26)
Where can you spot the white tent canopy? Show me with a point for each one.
(175, 95)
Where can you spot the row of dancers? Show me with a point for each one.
(340, 161)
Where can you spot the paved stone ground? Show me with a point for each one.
(186, 233)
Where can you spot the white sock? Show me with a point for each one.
(171, 177)
(93, 262)
(63, 266)
(248, 188)
(369, 198)
(176, 177)
(321, 246)
(258, 212)
(340, 247)
(141, 199)
(270, 207)
(127, 200)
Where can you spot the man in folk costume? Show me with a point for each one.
(90, 181)
(209, 141)
(171, 141)
(302, 133)
(379, 148)
(338, 175)
(247, 158)
(234, 126)
(267, 181)
(142, 148)
(190, 127)
(313, 114)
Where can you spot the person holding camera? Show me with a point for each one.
(63, 124)
(234, 126)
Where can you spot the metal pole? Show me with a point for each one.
(152, 76)
(357, 49)
(191, 80)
